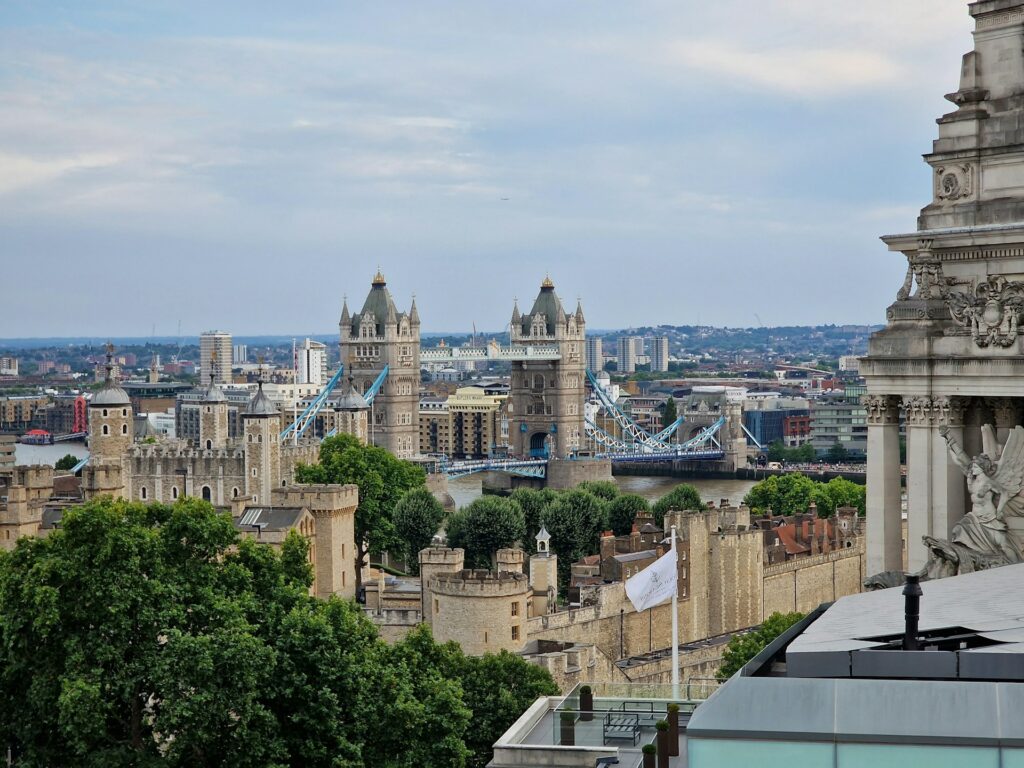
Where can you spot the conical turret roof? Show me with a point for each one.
(548, 304)
(380, 303)
(352, 400)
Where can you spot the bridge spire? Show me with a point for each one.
(579, 312)
(516, 317)
(414, 315)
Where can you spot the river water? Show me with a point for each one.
(465, 489)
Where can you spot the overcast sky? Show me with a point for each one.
(242, 165)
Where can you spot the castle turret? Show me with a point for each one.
(261, 427)
(111, 425)
(544, 576)
(433, 562)
(213, 417)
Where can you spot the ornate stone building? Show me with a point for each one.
(951, 358)
(378, 336)
(547, 395)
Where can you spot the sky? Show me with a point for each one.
(245, 165)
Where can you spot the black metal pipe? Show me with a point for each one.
(912, 608)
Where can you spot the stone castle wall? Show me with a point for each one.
(804, 584)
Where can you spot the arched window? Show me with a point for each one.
(174, 492)
(143, 493)
(206, 493)
(209, 444)
(104, 413)
(259, 438)
(124, 411)
(124, 429)
(234, 493)
(106, 429)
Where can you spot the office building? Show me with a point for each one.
(240, 354)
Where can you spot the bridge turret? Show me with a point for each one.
(547, 395)
(378, 336)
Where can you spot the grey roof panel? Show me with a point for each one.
(765, 707)
(916, 711)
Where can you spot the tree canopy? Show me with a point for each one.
(670, 414)
(142, 635)
(66, 462)
(743, 648)
(683, 497)
(417, 516)
(575, 520)
(484, 526)
(793, 493)
(382, 480)
(623, 509)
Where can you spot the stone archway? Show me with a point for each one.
(538, 445)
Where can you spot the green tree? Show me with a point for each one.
(533, 503)
(777, 451)
(491, 523)
(804, 453)
(683, 497)
(152, 636)
(743, 648)
(417, 516)
(66, 462)
(382, 480)
(670, 414)
(837, 453)
(623, 510)
(575, 520)
(498, 688)
(839, 492)
(603, 489)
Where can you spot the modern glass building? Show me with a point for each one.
(841, 690)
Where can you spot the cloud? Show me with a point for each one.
(20, 171)
(796, 71)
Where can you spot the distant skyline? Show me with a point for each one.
(245, 165)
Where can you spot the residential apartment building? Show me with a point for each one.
(470, 424)
(659, 353)
(8, 366)
(311, 363)
(630, 348)
(215, 355)
(595, 354)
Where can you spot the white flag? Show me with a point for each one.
(654, 584)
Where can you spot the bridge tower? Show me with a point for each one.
(376, 336)
(547, 396)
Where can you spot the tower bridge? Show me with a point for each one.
(548, 397)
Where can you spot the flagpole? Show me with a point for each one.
(675, 625)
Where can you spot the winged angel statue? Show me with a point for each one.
(982, 538)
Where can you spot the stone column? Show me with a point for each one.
(1005, 410)
(920, 448)
(885, 536)
(948, 481)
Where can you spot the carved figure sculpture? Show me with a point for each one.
(981, 539)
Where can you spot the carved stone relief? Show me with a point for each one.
(953, 182)
(992, 314)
